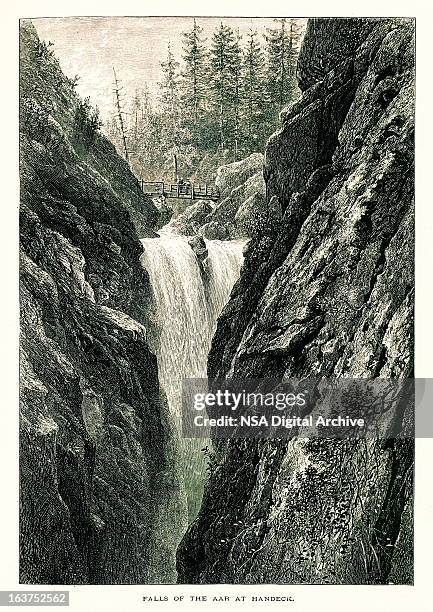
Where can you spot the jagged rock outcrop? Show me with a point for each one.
(326, 290)
(190, 221)
(199, 247)
(240, 211)
(242, 200)
(98, 481)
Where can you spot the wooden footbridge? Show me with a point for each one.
(184, 190)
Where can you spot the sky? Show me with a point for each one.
(91, 46)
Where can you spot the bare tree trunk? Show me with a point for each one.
(222, 127)
(120, 116)
(176, 175)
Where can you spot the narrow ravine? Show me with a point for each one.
(187, 297)
(116, 312)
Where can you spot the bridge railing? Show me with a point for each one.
(180, 190)
(156, 187)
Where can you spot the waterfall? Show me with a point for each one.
(187, 300)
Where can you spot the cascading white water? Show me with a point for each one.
(187, 301)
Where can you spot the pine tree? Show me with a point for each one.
(170, 90)
(144, 135)
(194, 76)
(225, 99)
(136, 119)
(170, 107)
(253, 116)
(281, 66)
(237, 74)
(225, 84)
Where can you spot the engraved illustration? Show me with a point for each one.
(230, 198)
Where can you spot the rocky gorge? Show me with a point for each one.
(116, 310)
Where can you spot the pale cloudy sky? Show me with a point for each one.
(135, 46)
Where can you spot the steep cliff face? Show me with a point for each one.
(326, 290)
(96, 456)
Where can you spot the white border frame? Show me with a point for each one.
(307, 598)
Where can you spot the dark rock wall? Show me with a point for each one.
(343, 36)
(325, 290)
(98, 487)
